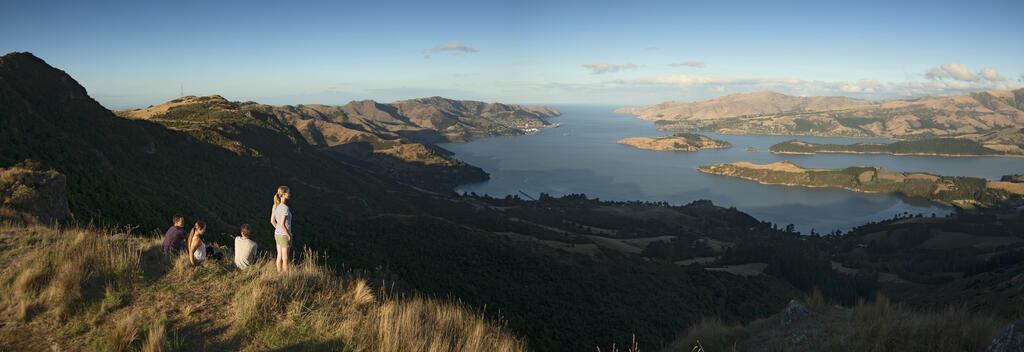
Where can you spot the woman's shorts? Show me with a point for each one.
(283, 241)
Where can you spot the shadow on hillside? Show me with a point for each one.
(155, 263)
(436, 178)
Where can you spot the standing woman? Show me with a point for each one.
(196, 247)
(281, 218)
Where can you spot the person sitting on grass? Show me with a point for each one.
(174, 239)
(198, 251)
(196, 247)
(245, 248)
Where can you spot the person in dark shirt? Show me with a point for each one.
(174, 239)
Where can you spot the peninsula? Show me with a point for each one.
(683, 142)
(964, 192)
(931, 146)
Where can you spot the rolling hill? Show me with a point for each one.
(994, 118)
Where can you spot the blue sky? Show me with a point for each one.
(138, 53)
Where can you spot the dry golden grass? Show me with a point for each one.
(156, 338)
(123, 335)
(309, 305)
(88, 289)
(869, 326)
(711, 334)
(70, 269)
(888, 327)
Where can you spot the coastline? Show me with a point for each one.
(903, 154)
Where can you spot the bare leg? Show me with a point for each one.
(284, 263)
(279, 257)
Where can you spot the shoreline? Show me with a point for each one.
(903, 154)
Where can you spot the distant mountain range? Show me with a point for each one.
(995, 118)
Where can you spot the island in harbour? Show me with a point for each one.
(930, 146)
(963, 192)
(684, 142)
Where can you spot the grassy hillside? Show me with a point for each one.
(102, 289)
(995, 118)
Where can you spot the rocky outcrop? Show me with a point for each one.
(41, 194)
(794, 311)
(1011, 340)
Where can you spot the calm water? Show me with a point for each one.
(581, 156)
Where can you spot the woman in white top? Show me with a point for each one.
(196, 247)
(281, 218)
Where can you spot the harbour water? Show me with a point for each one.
(582, 156)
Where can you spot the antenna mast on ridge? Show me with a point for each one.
(181, 87)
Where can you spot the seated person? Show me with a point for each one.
(174, 239)
(245, 248)
(196, 247)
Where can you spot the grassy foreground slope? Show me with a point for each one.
(101, 289)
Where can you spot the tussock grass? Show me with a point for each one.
(156, 338)
(99, 289)
(310, 306)
(713, 334)
(123, 335)
(70, 270)
(888, 327)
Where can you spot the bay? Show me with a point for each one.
(582, 156)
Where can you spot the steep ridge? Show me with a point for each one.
(995, 118)
(394, 140)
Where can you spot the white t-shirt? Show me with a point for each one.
(283, 217)
(200, 253)
(245, 252)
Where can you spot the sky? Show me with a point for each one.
(628, 53)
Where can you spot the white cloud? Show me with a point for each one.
(456, 48)
(862, 86)
(991, 75)
(604, 67)
(935, 73)
(687, 80)
(959, 72)
(651, 48)
(865, 88)
(688, 64)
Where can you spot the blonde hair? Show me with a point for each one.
(279, 197)
(199, 226)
